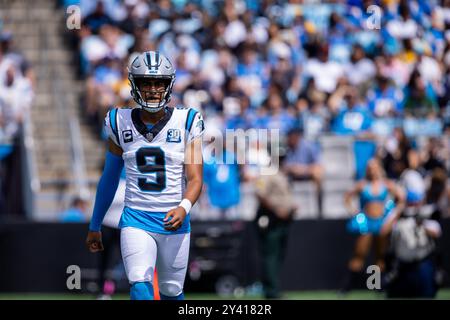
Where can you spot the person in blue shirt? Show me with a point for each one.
(76, 212)
(276, 117)
(384, 100)
(97, 18)
(303, 161)
(354, 118)
(246, 117)
(221, 176)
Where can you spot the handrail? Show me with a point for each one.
(72, 123)
(78, 158)
(31, 175)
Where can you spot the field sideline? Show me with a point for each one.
(294, 295)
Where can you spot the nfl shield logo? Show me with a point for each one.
(173, 135)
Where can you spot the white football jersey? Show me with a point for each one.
(154, 164)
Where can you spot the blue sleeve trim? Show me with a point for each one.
(113, 123)
(106, 189)
(190, 119)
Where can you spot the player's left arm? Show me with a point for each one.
(193, 167)
(194, 176)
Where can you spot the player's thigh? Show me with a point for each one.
(139, 252)
(171, 262)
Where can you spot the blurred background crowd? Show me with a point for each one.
(307, 68)
(16, 96)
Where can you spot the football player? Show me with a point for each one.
(161, 150)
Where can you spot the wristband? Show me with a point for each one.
(186, 204)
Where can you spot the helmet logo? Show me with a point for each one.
(152, 60)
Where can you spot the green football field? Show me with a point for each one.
(294, 295)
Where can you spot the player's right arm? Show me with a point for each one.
(106, 189)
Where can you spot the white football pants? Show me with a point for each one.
(142, 250)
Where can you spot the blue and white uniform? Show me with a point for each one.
(154, 161)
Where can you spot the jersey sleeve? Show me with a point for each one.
(110, 126)
(195, 125)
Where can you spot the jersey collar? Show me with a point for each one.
(142, 128)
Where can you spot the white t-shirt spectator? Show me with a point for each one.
(402, 29)
(235, 33)
(360, 72)
(15, 100)
(325, 74)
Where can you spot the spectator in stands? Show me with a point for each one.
(252, 74)
(275, 117)
(76, 213)
(360, 70)
(435, 155)
(16, 95)
(384, 99)
(246, 117)
(420, 99)
(8, 55)
(121, 89)
(404, 27)
(97, 18)
(312, 111)
(370, 219)
(437, 194)
(314, 120)
(303, 161)
(446, 142)
(222, 178)
(390, 66)
(354, 118)
(395, 153)
(325, 72)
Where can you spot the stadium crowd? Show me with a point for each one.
(307, 68)
(16, 96)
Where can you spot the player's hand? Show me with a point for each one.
(94, 241)
(174, 218)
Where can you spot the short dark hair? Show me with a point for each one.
(295, 130)
(76, 201)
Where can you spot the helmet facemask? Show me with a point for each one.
(152, 93)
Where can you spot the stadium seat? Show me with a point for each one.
(337, 157)
(333, 198)
(305, 195)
